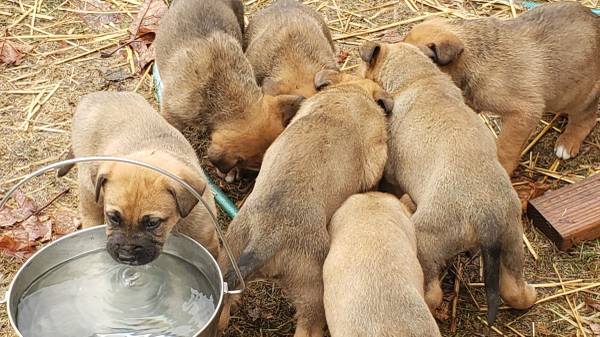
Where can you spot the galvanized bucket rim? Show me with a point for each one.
(12, 315)
(56, 165)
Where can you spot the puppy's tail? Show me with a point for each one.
(254, 257)
(491, 274)
(65, 169)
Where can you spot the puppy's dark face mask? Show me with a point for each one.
(141, 208)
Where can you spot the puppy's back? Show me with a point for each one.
(187, 20)
(119, 123)
(373, 280)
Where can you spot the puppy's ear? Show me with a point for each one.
(100, 181)
(385, 101)
(325, 78)
(288, 105)
(445, 51)
(185, 200)
(369, 52)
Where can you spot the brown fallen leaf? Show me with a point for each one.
(528, 190)
(595, 329)
(592, 303)
(25, 208)
(143, 30)
(38, 228)
(442, 313)
(96, 21)
(391, 36)
(11, 52)
(65, 221)
(342, 56)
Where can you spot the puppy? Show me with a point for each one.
(287, 44)
(372, 277)
(444, 158)
(547, 59)
(141, 207)
(334, 147)
(209, 83)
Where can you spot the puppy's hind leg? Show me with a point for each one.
(303, 283)
(516, 130)
(428, 247)
(579, 126)
(514, 290)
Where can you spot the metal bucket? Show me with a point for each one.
(93, 239)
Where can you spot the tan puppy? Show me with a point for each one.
(141, 207)
(547, 59)
(287, 44)
(441, 154)
(372, 277)
(208, 82)
(334, 147)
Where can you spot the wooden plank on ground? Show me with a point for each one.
(570, 214)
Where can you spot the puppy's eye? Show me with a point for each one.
(114, 218)
(152, 223)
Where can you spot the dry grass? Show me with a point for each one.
(37, 99)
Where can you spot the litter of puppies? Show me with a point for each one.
(317, 138)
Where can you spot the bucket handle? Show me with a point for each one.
(190, 189)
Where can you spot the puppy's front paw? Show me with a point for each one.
(566, 147)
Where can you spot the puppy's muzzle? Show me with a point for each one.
(131, 254)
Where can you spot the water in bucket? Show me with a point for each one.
(93, 296)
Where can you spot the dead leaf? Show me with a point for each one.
(528, 190)
(442, 313)
(148, 18)
(65, 221)
(143, 30)
(11, 53)
(145, 54)
(25, 208)
(592, 303)
(342, 56)
(97, 21)
(391, 36)
(38, 229)
(595, 329)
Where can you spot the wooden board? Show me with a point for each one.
(570, 214)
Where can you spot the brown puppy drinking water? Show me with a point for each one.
(333, 148)
(209, 83)
(287, 44)
(373, 280)
(547, 59)
(141, 207)
(441, 154)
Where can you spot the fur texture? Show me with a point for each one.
(141, 207)
(441, 155)
(288, 43)
(547, 59)
(372, 277)
(208, 82)
(280, 232)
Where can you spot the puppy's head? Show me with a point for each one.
(332, 78)
(141, 206)
(436, 41)
(241, 143)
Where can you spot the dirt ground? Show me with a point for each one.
(37, 99)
